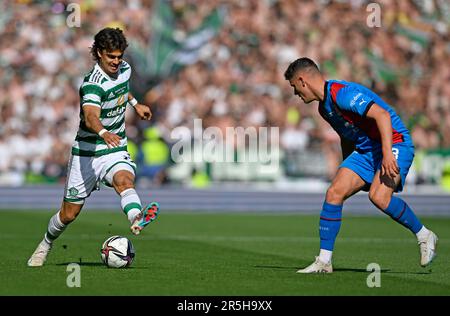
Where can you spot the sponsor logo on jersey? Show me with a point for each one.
(352, 103)
(117, 92)
(121, 99)
(116, 111)
(121, 90)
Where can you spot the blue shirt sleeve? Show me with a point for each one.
(351, 99)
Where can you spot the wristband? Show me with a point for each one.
(133, 102)
(103, 131)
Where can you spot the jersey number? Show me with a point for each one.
(395, 151)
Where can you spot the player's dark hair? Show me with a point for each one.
(108, 39)
(303, 63)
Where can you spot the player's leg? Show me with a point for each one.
(123, 182)
(346, 183)
(381, 195)
(56, 226)
(81, 180)
(121, 176)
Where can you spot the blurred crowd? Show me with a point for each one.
(237, 79)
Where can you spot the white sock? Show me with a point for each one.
(45, 243)
(54, 229)
(422, 233)
(325, 255)
(132, 214)
(131, 204)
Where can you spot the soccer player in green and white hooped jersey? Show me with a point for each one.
(99, 152)
(110, 96)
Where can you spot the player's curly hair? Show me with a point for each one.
(108, 39)
(303, 63)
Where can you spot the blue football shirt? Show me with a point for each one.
(345, 107)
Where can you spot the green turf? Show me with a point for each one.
(221, 254)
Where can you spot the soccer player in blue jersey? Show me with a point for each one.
(377, 150)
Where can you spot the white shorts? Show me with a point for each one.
(85, 174)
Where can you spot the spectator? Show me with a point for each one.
(236, 75)
(155, 156)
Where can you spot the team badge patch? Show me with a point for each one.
(73, 191)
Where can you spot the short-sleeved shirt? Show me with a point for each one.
(345, 107)
(111, 96)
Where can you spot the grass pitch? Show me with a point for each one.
(221, 255)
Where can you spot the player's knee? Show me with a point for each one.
(123, 181)
(122, 186)
(334, 195)
(378, 199)
(68, 214)
(68, 218)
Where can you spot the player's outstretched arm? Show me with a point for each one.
(92, 119)
(383, 119)
(142, 110)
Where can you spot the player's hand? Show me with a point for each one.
(143, 111)
(111, 139)
(389, 166)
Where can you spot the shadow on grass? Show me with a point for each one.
(358, 270)
(277, 267)
(337, 270)
(388, 271)
(344, 270)
(87, 264)
(404, 272)
(97, 264)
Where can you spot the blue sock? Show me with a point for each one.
(329, 225)
(402, 213)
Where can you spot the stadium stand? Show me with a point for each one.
(208, 60)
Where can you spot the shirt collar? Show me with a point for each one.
(105, 74)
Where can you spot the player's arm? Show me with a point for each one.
(92, 120)
(383, 119)
(141, 109)
(353, 100)
(347, 147)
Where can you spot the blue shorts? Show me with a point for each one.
(366, 164)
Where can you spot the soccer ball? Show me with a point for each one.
(117, 252)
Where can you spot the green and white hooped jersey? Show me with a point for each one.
(111, 96)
